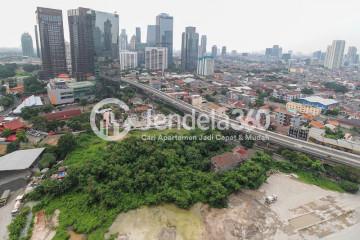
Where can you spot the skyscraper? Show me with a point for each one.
(123, 40)
(128, 60)
(274, 52)
(223, 51)
(138, 36)
(352, 57)
(38, 54)
(81, 28)
(151, 36)
(205, 66)
(164, 34)
(202, 49)
(132, 45)
(106, 35)
(27, 45)
(156, 58)
(189, 49)
(52, 43)
(214, 51)
(68, 57)
(335, 54)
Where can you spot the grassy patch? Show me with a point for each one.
(89, 147)
(320, 181)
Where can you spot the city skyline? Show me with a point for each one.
(254, 28)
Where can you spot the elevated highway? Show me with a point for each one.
(323, 152)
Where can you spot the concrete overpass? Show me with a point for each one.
(323, 152)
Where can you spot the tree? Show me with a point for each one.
(83, 103)
(47, 108)
(349, 186)
(7, 70)
(29, 112)
(39, 123)
(307, 91)
(6, 132)
(12, 147)
(30, 67)
(33, 86)
(47, 160)
(7, 100)
(66, 144)
(21, 136)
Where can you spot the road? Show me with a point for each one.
(319, 151)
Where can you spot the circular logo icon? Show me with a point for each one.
(108, 121)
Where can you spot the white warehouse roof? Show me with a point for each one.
(29, 102)
(19, 160)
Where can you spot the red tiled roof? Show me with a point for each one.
(226, 160)
(14, 125)
(11, 138)
(63, 115)
(316, 124)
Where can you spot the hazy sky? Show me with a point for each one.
(244, 25)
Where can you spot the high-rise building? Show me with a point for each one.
(164, 34)
(38, 54)
(27, 45)
(202, 49)
(81, 28)
(128, 60)
(189, 49)
(205, 66)
(68, 57)
(132, 45)
(52, 42)
(335, 54)
(317, 55)
(223, 51)
(106, 35)
(151, 36)
(352, 57)
(274, 52)
(156, 58)
(138, 36)
(214, 51)
(123, 40)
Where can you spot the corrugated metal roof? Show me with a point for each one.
(323, 101)
(19, 160)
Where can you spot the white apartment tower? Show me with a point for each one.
(156, 58)
(205, 66)
(334, 54)
(128, 60)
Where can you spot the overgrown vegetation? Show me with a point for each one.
(34, 86)
(307, 91)
(7, 70)
(337, 178)
(336, 87)
(336, 134)
(7, 100)
(105, 179)
(18, 224)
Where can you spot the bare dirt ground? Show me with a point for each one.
(45, 228)
(165, 222)
(51, 140)
(302, 211)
